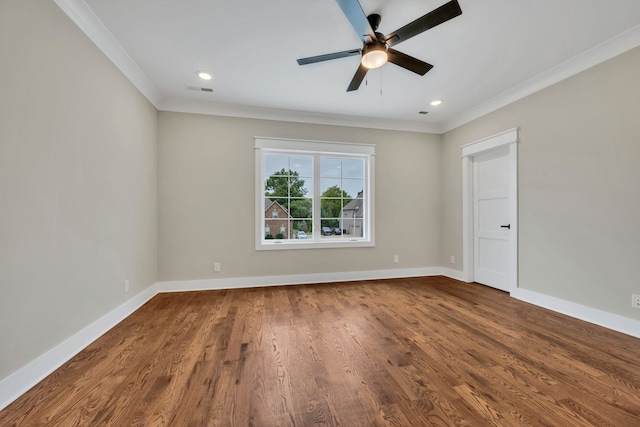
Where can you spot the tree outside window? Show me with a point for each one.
(313, 197)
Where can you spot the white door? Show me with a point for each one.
(492, 225)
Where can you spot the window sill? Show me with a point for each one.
(296, 245)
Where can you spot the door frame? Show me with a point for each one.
(469, 152)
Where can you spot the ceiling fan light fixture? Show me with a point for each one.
(377, 49)
(374, 55)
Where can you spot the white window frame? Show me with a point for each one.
(264, 145)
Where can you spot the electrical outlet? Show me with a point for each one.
(396, 259)
(635, 301)
(216, 267)
(126, 286)
(452, 259)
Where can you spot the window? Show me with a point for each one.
(318, 194)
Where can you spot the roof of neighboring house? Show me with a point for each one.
(354, 205)
(268, 203)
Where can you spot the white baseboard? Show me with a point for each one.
(592, 315)
(295, 279)
(453, 274)
(28, 376)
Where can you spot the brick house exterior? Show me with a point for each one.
(277, 220)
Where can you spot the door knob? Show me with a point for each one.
(506, 226)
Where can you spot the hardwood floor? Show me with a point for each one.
(409, 352)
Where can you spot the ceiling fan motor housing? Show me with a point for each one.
(374, 20)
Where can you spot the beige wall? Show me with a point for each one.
(207, 179)
(579, 186)
(78, 183)
(81, 199)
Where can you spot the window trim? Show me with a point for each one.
(323, 148)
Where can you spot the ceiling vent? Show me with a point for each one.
(200, 89)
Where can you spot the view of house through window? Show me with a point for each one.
(341, 198)
(288, 195)
(314, 197)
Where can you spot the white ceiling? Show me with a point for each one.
(496, 52)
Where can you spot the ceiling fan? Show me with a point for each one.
(376, 49)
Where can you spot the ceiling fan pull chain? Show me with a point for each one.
(380, 81)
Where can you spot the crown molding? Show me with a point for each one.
(82, 15)
(250, 112)
(598, 54)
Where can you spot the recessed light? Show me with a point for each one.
(204, 75)
(436, 102)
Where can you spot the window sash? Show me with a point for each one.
(318, 150)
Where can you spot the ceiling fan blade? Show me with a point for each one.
(436, 17)
(408, 62)
(328, 56)
(354, 13)
(357, 78)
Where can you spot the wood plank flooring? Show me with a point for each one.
(409, 352)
